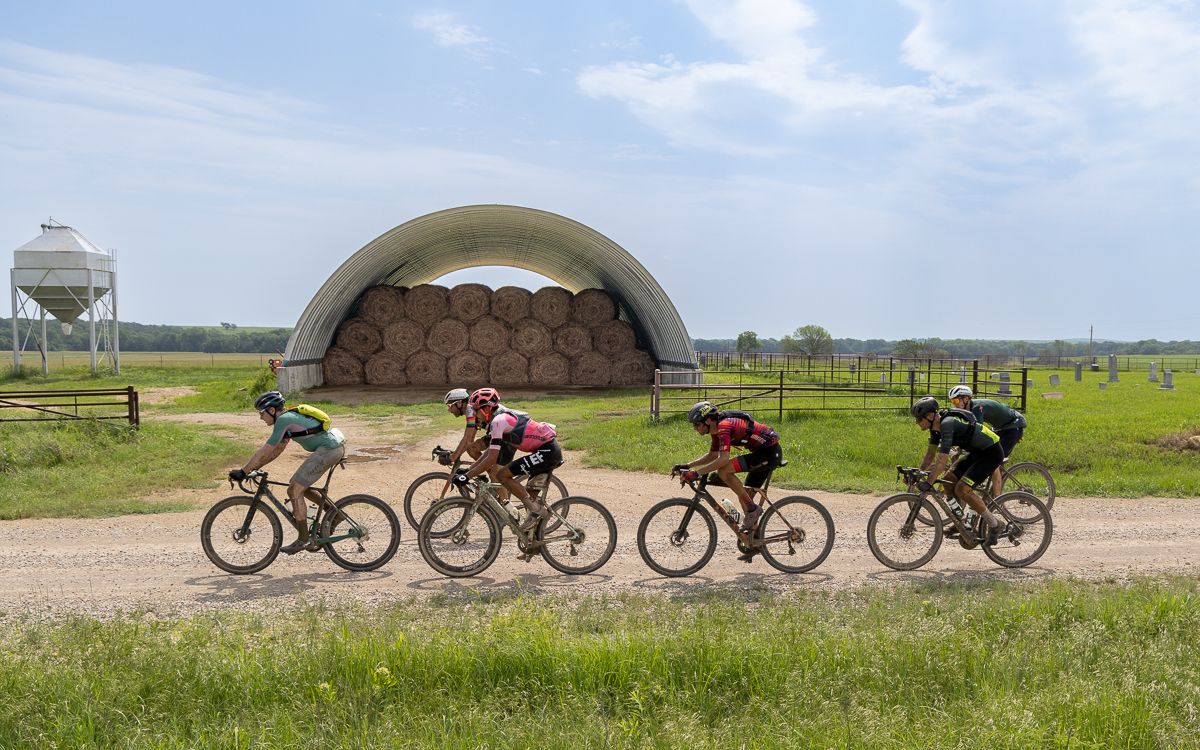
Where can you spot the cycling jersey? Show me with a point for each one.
(957, 431)
(740, 430)
(999, 415)
(519, 431)
(290, 422)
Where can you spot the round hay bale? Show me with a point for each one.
(632, 368)
(550, 368)
(385, 368)
(467, 367)
(531, 337)
(342, 369)
(404, 337)
(426, 368)
(470, 301)
(489, 336)
(511, 303)
(614, 337)
(573, 340)
(359, 337)
(427, 303)
(447, 336)
(382, 305)
(551, 305)
(590, 368)
(509, 368)
(592, 307)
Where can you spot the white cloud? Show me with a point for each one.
(446, 29)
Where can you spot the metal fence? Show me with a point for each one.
(55, 406)
(885, 386)
(817, 363)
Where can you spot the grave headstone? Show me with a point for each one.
(1167, 384)
(1103, 386)
(1153, 373)
(1029, 383)
(1112, 368)
(883, 377)
(853, 367)
(962, 377)
(1005, 390)
(1078, 371)
(1054, 378)
(1052, 394)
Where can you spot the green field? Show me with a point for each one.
(1062, 665)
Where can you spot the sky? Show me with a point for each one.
(883, 168)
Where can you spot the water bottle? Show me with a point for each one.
(512, 509)
(969, 518)
(733, 512)
(955, 506)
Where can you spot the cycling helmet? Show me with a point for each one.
(485, 398)
(923, 406)
(961, 391)
(268, 400)
(701, 412)
(458, 394)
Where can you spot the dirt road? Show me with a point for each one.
(56, 567)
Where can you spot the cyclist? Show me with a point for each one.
(1008, 423)
(457, 402)
(326, 448)
(727, 429)
(510, 431)
(956, 427)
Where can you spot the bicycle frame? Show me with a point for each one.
(262, 492)
(700, 488)
(485, 494)
(939, 500)
(533, 487)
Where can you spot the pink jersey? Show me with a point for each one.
(533, 436)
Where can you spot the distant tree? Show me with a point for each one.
(747, 342)
(813, 339)
(918, 349)
(789, 345)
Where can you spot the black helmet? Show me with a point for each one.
(268, 400)
(701, 412)
(923, 406)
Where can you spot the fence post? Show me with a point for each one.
(1024, 388)
(975, 376)
(781, 395)
(654, 395)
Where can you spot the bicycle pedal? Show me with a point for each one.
(526, 557)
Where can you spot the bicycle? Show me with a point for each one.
(1025, 476)
(427, 489)
(899, 541)
(461, 536)
(242, 534)
(790, 526)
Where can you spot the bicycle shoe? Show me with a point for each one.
(751, 520)
(993, 534)
(530, 523)
(297, 546)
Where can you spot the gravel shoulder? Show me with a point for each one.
(154, 563)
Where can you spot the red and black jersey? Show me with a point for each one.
(739, 428)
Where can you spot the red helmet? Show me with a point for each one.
(485, 398)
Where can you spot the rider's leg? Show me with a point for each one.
(511, 481)
(297, 493)
(728, 474)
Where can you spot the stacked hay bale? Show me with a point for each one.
(470, 335)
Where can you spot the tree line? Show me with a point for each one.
(139, 337)
(813, 339)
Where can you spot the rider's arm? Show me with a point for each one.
(500, 425)
(264, 455)
(938, 467)
(714, 461)
(928, 459)
(467, 438)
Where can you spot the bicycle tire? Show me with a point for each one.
(560, 544)
(914, 532)
(1034, 478)
(435, 546)
(562, 491)
(236, 520)
(998, 553)
(389, 524)
(800, 522)
(656, 560)
(417, 489)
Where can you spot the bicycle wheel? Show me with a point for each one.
(677, 537)
(897, 538)
(1031, 477)
(237, 541)
(370, 528)
(579, 536)
(457, 539)
(796, 534)
(426, 490)
(1031, 530)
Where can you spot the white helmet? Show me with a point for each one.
(961, 391)
(458, 394)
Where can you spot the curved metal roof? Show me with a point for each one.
(430, 246)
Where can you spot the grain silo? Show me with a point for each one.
(61, 273)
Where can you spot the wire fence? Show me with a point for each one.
(832, 363)
(59, 361)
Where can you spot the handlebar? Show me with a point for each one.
(254, 477)
(910, 474)
(438, 452)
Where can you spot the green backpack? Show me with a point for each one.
(315, 413)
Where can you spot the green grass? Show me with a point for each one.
(1064, 665)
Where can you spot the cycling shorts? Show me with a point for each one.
(759, 464)
(976, 466)
(316, 464)
(1009, 438)
(541, 461)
